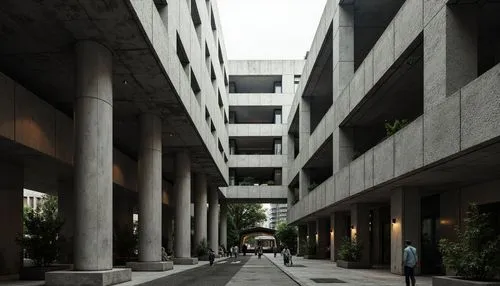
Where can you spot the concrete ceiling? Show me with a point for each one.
(37, 40)
(254, 114)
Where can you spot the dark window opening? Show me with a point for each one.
(277, 87)
(255, 114)
(488, 36)
(320, 166)
(255, 84)
(296, 82)
(195, 87)
(256, 176)
(219, 96)
(182, 55)
(195, 16)
(261, 145)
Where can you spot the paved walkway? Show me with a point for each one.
(304, 270)
(260, 272)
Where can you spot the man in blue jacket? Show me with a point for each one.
(410, 260)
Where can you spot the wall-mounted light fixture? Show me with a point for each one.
(352, 226)
(393, 220)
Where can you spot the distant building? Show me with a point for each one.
(32, 199)
(276, 214)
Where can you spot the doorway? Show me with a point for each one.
(430, 256)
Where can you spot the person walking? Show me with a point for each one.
(286, 256)
(211, 256)
(260, 251)
(410, 260)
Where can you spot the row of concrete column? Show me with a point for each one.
(358, 223)
(93, 184)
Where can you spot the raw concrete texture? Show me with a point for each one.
(93, 159)
(342, 184)
(182, 189)
(442, 130)
(479, 109)
(185, 261)
(368, 65)
(383, 161)
(151, 266)
(383, 53)
(213, 219)
(357, 175)
(150, 188)
(408, 23)
(369, 168)
(200, 208)
(11, 218)
(431, 8)
(7, 100)
(84, 278)
(409, 148)
(357, 87)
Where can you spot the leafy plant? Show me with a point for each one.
(392, 128)
(202, 248)
(312, 186)
(311, 246)
(41, 231)
(287, 235)
(476, 253)
(350, 249)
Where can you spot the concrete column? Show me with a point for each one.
(343, 49)
(450, 52)
(405, 211)
(304, 122)
(311, 234)
(93, 164)
(200, 208)
(66, 209)
(223, 224)
(340, 231)
(11, 218)
(150, 188)
(93, 159)
(323, 233)
(182, 189)
(301, 239)
(303, 183)
(360, 230)
(213, 218)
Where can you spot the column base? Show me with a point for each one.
(82, 278)
(185, 261)
(151, 266)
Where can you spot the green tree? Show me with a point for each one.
(240, 217)
(287, 235)
(41, 231)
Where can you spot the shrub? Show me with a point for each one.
(202, 248)
(287, 235)
(476, 253)
(41, 233)
(350, 250)
(397, 125)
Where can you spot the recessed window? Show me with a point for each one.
(277, 116)
(195, 16)
(195, 87)
(277, 147)
(277, 87)
(296, 82)
(182, 55)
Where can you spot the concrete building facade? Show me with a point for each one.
(118, 108)
(433, 65)
(260, 96)
(276, 214)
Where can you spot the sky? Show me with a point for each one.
(269, 29)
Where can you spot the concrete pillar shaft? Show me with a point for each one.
(150, 188)
(182, 189)
(405, 210)
(223, 225)
(93, 158)
(360, 218)
(200, 208)
(340, 231)
(11, 218)
(213, 218)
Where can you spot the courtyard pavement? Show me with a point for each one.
(304, 270)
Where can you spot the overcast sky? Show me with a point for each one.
(269, 29)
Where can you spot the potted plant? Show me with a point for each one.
(302, 248)
(392, 128)
(202, 250)
(311, 249)
(350, 253)
(40, 240)
(475, 255)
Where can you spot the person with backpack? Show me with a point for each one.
(211, 256)
(410, 260)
